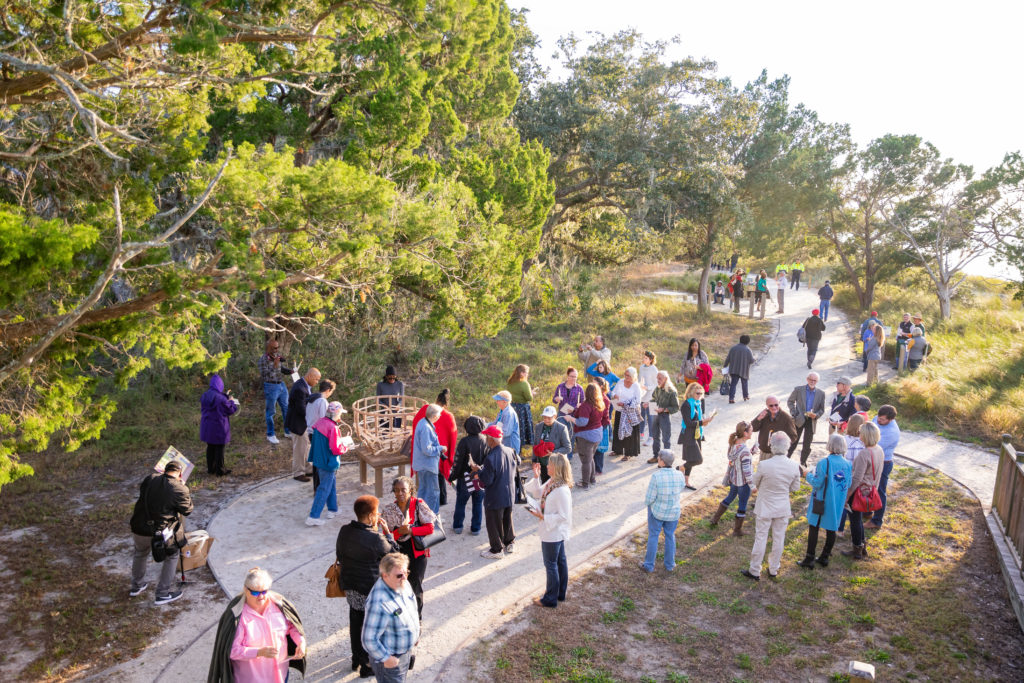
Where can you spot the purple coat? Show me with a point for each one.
(216, 407)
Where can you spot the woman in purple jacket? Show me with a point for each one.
(216, 407)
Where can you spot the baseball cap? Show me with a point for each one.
(549, 412)
(493, 431)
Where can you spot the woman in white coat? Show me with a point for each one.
(776, 477)
(555, 515)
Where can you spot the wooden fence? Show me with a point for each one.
(1008, 497)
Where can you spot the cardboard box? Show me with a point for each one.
(197, 548)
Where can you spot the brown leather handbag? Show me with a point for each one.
(333, 576)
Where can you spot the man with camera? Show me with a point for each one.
(593, 352)
(159, 529)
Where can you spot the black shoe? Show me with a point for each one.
(302, 478)
(692, 488)
(746, 573)
(807, 562)
(222, 472)
(823, 560)
(365, 671)
(772, 576)
(170, 597)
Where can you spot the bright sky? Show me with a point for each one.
(945, 71)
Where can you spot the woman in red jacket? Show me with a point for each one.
(447, 435)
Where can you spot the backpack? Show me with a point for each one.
(801, 335)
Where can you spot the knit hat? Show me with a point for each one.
(874, 314)
(389, 371)
(815, 312)
(493, 431)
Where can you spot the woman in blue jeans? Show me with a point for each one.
(739, 475)
(555, 516)
(325, 447)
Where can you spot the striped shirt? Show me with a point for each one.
(663, 493)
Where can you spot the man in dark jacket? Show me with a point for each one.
(497, 475)
(163, 500)
(843, 405)
(825, 295)
(738, 361)
(295, 421)
(772, 419)
(471, 450)
(806, 404)
(813, 328)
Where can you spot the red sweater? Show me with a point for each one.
(447, 435)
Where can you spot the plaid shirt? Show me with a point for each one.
(663, 493)
(268, 373)
(392, 624)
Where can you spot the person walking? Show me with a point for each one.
(471, 448)
(589, 420)
(825, 295)
(888, 440)
(215, 408)
(866, 475)
(508, 420)
(648, 378)
(781, 282)
(798, 269)
(497, 475)
(259, 636)
(549, 436)
(271, 368)
(775, 479)
(295, 422)
(426, 454)
(867, 330)
(447, 436)
(873, 347)
(737, 365)
(164, 501)
(739, 476)
(806, 404)
(324, 455)
(736, 289)
(830, 481)
(770, 420)
(692, 435)
(360, 546)
(663, 509)
(519, 388)
(554, 524)
(392, 625)
(664, 404)
(813, 329)
(406, 517)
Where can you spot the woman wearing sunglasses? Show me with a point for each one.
(259, 636)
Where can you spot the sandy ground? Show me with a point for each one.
(466, 595)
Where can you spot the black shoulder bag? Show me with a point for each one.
(818, 505)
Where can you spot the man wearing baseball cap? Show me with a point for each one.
(164, 500)
(549, 436)
(497, 475)
(813, 327)
(507, 420)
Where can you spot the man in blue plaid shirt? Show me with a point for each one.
(391, 627)
(663, 510)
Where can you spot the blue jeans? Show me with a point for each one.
(394, 674)
(883, 483)
(655, 527)
(824, 308)
(648, 417)
(599, 462)
(743, 492)
(430, 490)
(736, 379)
(275, 392)
(462, 496)
(662, 432)
(326, 492)
(557, 569)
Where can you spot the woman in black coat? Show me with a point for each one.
(692, 410)
(360, 546)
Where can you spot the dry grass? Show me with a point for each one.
(929, 605)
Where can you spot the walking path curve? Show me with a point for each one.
(466, 594)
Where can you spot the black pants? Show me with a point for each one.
(812, 349)
(806, 430)
(443, 499)
(417, 570)
(812, 541)
(214, 457)
(499, 528)
(795, 282)
(355, 636)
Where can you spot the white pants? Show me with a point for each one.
(778, 527)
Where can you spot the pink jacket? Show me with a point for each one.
(256, 630)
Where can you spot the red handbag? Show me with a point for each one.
(870, 502)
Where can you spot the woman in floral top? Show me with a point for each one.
(739, 475)
(409, 516)
(694, 358)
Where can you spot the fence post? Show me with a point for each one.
(1010, 450)
(902, 361)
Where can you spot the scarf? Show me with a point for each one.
(697, 414)
(548, 488)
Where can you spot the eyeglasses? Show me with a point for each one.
(399, 575)
(773, 405)
(257, 594)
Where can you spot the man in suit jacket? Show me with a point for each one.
(776, 477)
(806, 405)
(295, 421)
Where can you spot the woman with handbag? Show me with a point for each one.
(739, 476)
(867, 472)
(831, 481)
(407, 517)
(555, 517)
(360, 546)
(695, 356)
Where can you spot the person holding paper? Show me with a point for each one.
(567, 398)
(554, 513)
(215, 407)
(164, 500)
(324, 452)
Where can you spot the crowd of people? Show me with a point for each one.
(384, 552)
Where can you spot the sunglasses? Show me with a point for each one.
(257, 594)
(773, 405)
(400, 575)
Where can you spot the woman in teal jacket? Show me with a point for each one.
(831, 482)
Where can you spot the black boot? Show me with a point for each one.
(822, 560)
(857, 552)
(807, 562)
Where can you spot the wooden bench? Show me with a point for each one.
(378, 462)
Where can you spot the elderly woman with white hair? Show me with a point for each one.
(426, 456)
(259, 636)
(776, 477)
(628, 425)
(831, 481)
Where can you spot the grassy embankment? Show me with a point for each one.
(928, 605)
(65, 556)
(972, 385)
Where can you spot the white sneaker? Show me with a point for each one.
(331, 515)
(491, 556)
(510, 548)
(288, 435)
(273, 439)
(311, 521)
(138, 591)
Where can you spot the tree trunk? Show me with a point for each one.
(945, 301)
(703, 302)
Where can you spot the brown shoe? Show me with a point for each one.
(302, 477)
(872, 525)
(737, 526)
(718, 514)
(652, 461)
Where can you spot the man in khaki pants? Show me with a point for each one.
(775, 479)
(295, 421)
